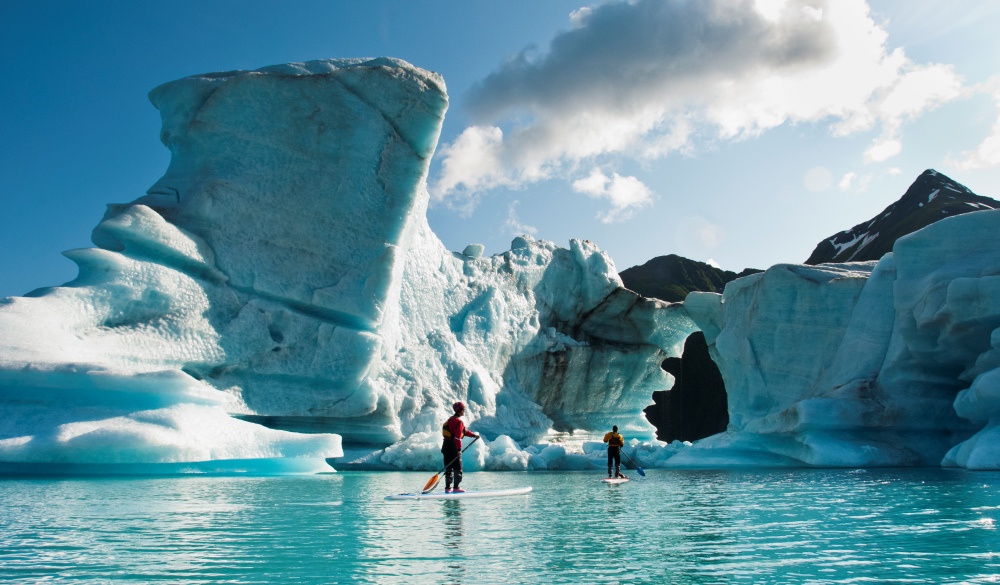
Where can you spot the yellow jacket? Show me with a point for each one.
(614, 440)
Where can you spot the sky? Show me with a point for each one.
(735, 132)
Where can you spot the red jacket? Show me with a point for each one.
(454, 429)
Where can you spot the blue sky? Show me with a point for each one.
(741, 132)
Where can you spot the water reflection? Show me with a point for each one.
(800, 526)
(454, 534)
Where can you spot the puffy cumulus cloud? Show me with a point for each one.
(472, 161)
(647, 78)
(917, 90)
(883, 149)
(625, 194)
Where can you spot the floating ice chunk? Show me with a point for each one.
(419, 451)
(506, 455)
(89, 416)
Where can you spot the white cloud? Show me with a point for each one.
(894, 171)
(648, 78)
(853, 182)
(578, 18)
(916, 91)
(471, 163)
(626, 194)
(882, 150)
(513, 225)
(847, 180)
(594, 185)
(770, 9)
(987, 154)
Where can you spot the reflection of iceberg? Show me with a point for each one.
(863, 364)
(282, 271)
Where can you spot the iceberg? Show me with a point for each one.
(277, 303)
(886, 363)
(277, 299)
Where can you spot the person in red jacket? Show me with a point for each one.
(454, 430)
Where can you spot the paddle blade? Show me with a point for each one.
(432, 483)
(641, 472)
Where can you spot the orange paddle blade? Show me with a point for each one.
(432, 483)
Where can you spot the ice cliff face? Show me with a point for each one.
(868, 364)
(279, 289)
(536, 339)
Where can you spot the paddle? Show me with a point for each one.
(432, 482)
(637, 468)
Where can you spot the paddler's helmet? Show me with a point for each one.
(458, 407)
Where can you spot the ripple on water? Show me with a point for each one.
(781, 526)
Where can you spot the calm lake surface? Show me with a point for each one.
(801, 526)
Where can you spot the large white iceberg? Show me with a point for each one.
(279, 289)
(869, 364)
(278, 296)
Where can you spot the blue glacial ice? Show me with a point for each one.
(870, 364)
(277, 301)
(278, 294)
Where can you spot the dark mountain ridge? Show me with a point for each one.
(933, 196)
(670, 278)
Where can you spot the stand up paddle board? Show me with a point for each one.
(461, 495)
(615, 479)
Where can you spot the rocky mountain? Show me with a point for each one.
(670, 278)
(933, 196)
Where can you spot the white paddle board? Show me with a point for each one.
(615, 479)
(461, 495)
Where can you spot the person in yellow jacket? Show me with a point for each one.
(615, 443)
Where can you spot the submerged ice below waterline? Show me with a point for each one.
(803, 526)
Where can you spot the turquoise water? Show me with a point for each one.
(803, 526)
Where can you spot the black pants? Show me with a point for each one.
(452, 465)
(614, 454)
